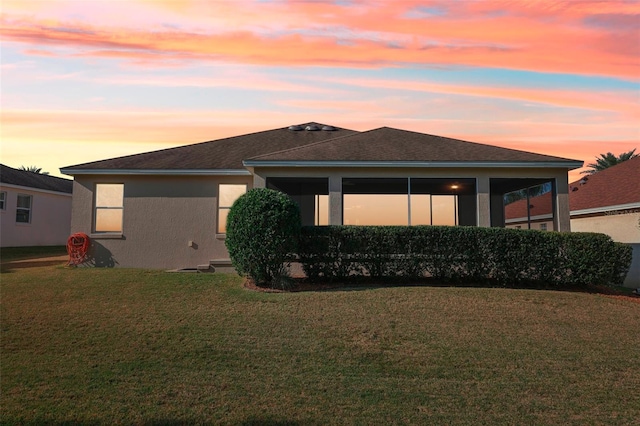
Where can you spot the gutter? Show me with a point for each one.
(427, 164)
(606, 209)
(524, 218)
(172, 172)
(31, 188)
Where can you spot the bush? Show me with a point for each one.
(263, 229)
(463, 254)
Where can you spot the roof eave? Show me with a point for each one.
(571, 165)
(35, 189)
(605, 209)
(171, 172)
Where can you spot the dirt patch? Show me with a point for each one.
(634, 299)
(34, 263)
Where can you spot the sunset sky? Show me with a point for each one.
(93, 79)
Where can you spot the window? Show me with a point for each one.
(3, 200)
(543, 226)
(23, 210)
(408, 201)
(321, 214)
(227, 194)
(375, 201)
(109, 207)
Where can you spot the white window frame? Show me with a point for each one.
(96, 208)
(224, 207)
(3, 200)
(27, 209)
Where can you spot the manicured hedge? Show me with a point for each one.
(263, 227)
(463, 254)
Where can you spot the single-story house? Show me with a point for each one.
(35, 209)
(607, 201)
(168, 208)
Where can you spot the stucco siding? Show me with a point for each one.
(622, 227)
(50, 219)
(161, 216)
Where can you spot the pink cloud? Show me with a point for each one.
(39, 52)
(622, 103)
(514, 35)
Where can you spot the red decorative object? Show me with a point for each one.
(78, 248)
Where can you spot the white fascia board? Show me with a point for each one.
(524, 219)
(172, 172)
(606, 209)
(429, 164)
(30, 188)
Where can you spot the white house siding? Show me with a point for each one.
(162, 215)
(621, 226)
(50, 218)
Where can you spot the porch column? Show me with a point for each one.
(259, 181)
(484, 202)
(335, 200)
(562, 216)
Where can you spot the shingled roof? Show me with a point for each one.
(393, 145)
(615, 186)
(221, 154)
(320, 145)
(11, 176)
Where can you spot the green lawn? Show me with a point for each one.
(103, 346)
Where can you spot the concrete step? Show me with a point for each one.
(222, 265)
(206, 268)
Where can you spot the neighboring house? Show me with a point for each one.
(35, 209)
(539, 215)
(168, 208)
(607, 201)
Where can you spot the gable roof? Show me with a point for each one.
(615, 186)
(385, 145)
(222, 155)
(11, 176)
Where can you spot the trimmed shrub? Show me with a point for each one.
(463, 254)
(263, 228)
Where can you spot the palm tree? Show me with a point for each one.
(607, 160)
(521, 194)
(33, 169)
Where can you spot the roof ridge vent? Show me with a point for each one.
(312, 128)
(295, 128)
(329, 128)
